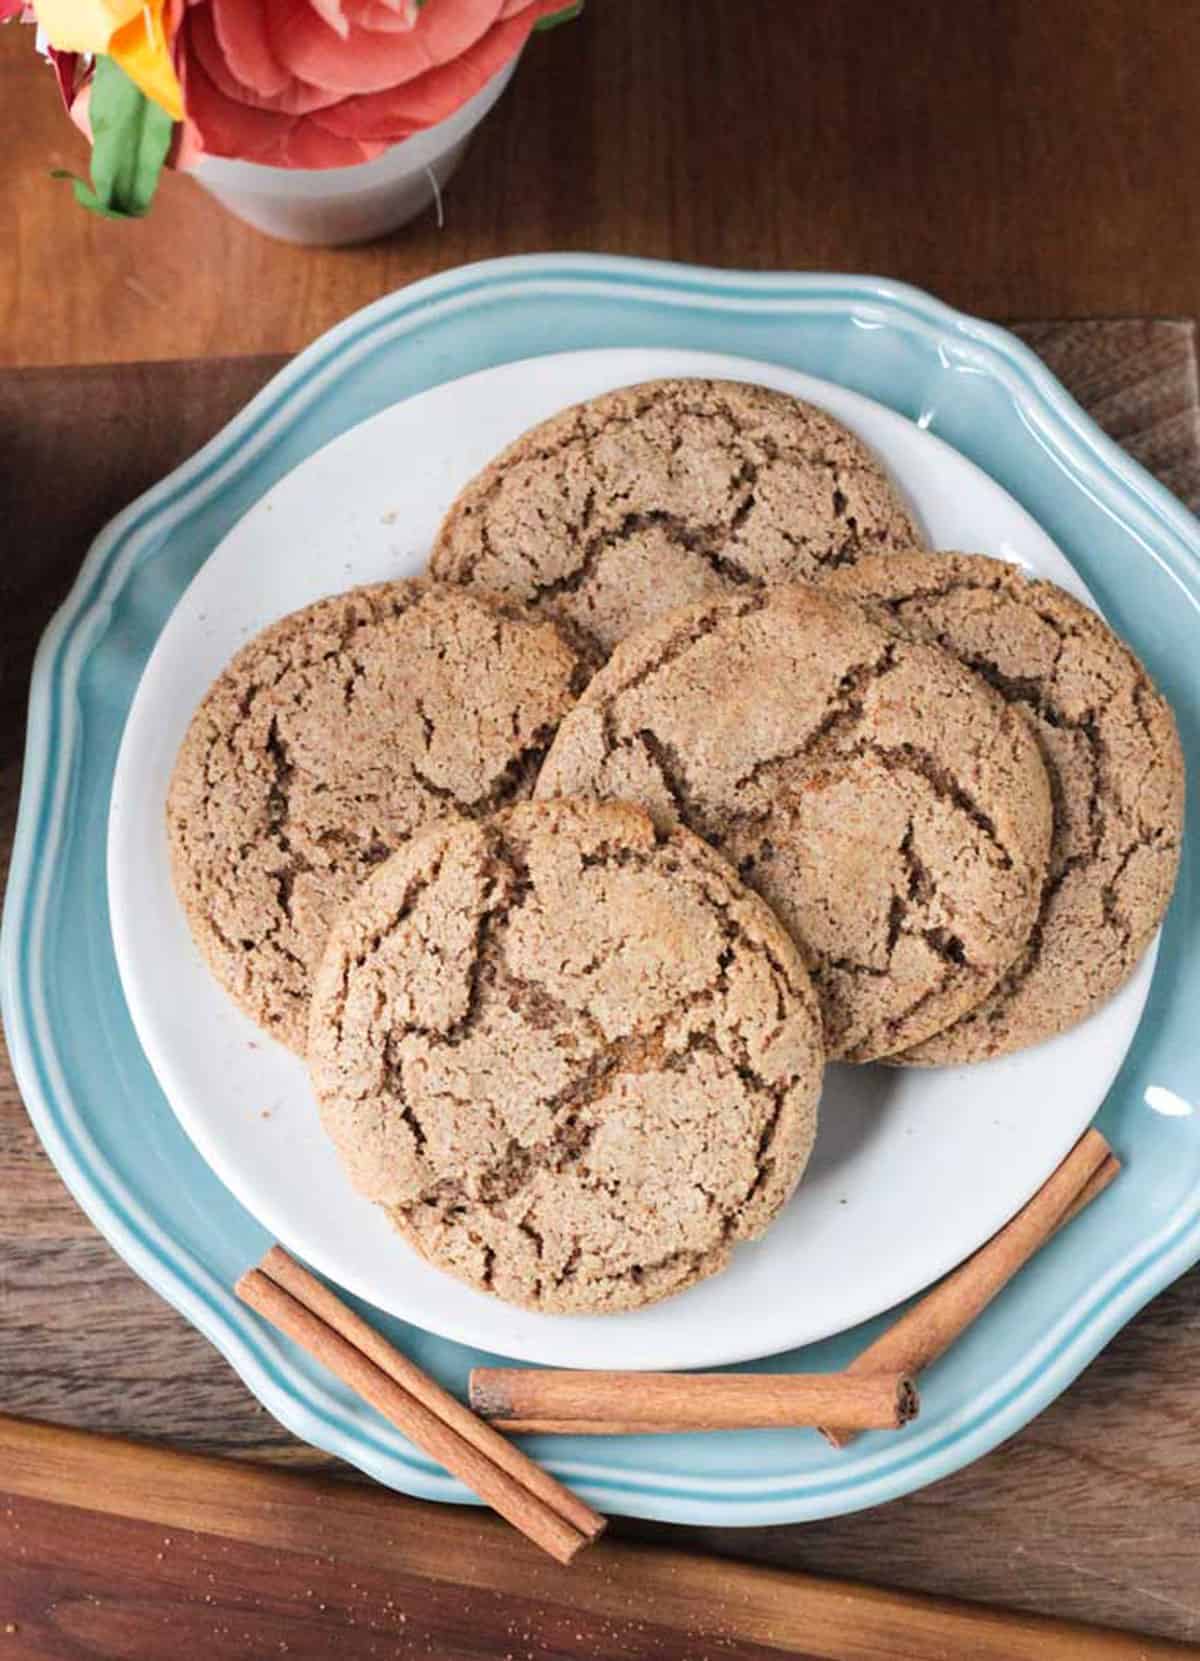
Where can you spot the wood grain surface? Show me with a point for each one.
(110, 1547)
(1092, 1512)
(1021, 159)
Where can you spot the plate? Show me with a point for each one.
(95, 1100)
(959, 1144)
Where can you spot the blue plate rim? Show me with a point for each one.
(1054, 419)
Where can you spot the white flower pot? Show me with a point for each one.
(350, 204)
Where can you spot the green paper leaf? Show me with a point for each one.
(564, 16)
(130, 139)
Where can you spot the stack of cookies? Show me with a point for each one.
(688, 769)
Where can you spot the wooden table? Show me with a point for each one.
(1020, 159)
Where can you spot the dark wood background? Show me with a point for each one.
(1023, 159)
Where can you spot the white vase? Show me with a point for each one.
(351, 204)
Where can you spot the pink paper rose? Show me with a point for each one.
(328, 83)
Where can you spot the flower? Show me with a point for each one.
(328, 83)
(288, 83)
(134, 33)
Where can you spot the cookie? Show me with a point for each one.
(617, 510)
(888, 804)
(1116, 770)
(332, 737)
(571, 1055)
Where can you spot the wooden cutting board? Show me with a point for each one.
(1092, 1511)
(109, 1548)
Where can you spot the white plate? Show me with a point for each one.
(912, 1171)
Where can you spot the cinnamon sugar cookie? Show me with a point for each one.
(1116, 768)
(331, 737)
(571, 1055)
(620, 508)
(890, 806)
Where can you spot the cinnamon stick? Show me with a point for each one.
(519, 1400)
(294, 1278)
(500, 1474)
(1095, 1185)
(926, 1331)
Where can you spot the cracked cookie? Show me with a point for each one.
(643, 499)
(331, 737)
(1116, 770)
(889, 805)
(575, 1060)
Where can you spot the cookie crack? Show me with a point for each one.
(525, 1227)
(484, 946)
(1096, 816)
(1140, 692)
(746, 447)
(278, 797)
(735, 934)
(279, 807)
(373, 942)
(920, 883)
(941, 942)
(849, 966)
(636, 1054)
(351, 682)
(938, 590)
(397, 1096)
(764, 1160)
(512, 783)
(1114, 918)
(1032, 692)
(508, 888)
(254, 691)
(912, 759)
(505, 1181)
(686, 638)
(992, 1007)
(377, 605)
(488, 551)
(509, 1175)
(701, 541)
(668, 764)
(894, 1023)
(733, 931)
(574, 1125)
(690, 1256)
(844, 714)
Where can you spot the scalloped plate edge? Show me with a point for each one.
(1059, 425)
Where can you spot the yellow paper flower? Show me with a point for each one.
(84, 25)
(128, 31)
